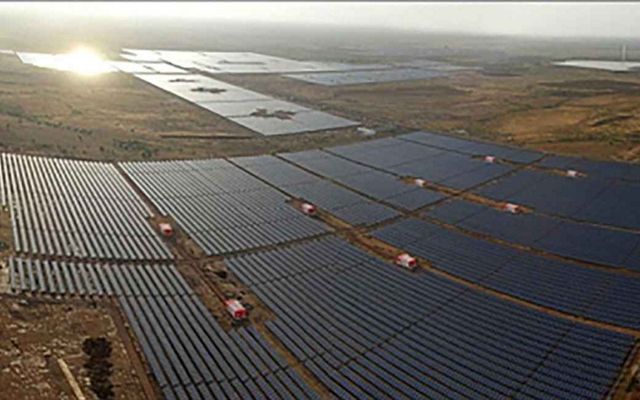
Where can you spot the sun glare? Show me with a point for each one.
(83, 61)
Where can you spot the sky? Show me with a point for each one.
(573, 19)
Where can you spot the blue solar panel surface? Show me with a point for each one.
(556, 284)
(360, 326)
(595, 244)
(467, 344)
(379, 185)
(404, 158)
(298, 183)
(603, 201)
(223, 208)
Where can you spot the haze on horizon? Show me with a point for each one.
(599, 20)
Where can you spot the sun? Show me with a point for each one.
(83, 61)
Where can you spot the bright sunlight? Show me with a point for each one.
(83, 61)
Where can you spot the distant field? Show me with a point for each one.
(517, 98)
(571, 111)
(117, 117)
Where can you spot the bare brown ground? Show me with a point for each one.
(569, 111)
(628, 385)
(118, 117)
(6, 249)
(35, 333)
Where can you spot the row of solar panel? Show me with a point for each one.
(595, 244)
(221, 207)
(591, 293)
(404, 158)
(597, 169)
(189, 353)
(363, 77)
(341, 202)
(237, 62)
(379, 185)
(472, 147)
(192, 357)
(87, 279)
(77, 209)
(607, 195)
(604, 201)
(427, 337)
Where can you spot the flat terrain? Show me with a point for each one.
(564, 110)
(117, 117)
(516, 98)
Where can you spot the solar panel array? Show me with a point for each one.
(592, 168)
(472, 147)
(426, 337)
(593, 293)
(89, 279)
(593, 199)
(362, 327)
(592, 243)
(364, 77)
(146, 68)
(403, 158)
(339, 201)
(215, 62)
(77, 209)
(254, 111)
(222, 208)
(189, 353)
(65, 62)
(192, 357)
(379, 185)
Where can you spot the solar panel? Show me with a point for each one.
(78, 209)
(327, 195)
(467, 344)
(254, 111)
(368, 181)
(365, 77)
(556, 284)
(221, 207)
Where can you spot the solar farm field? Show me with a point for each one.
(286, 275)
